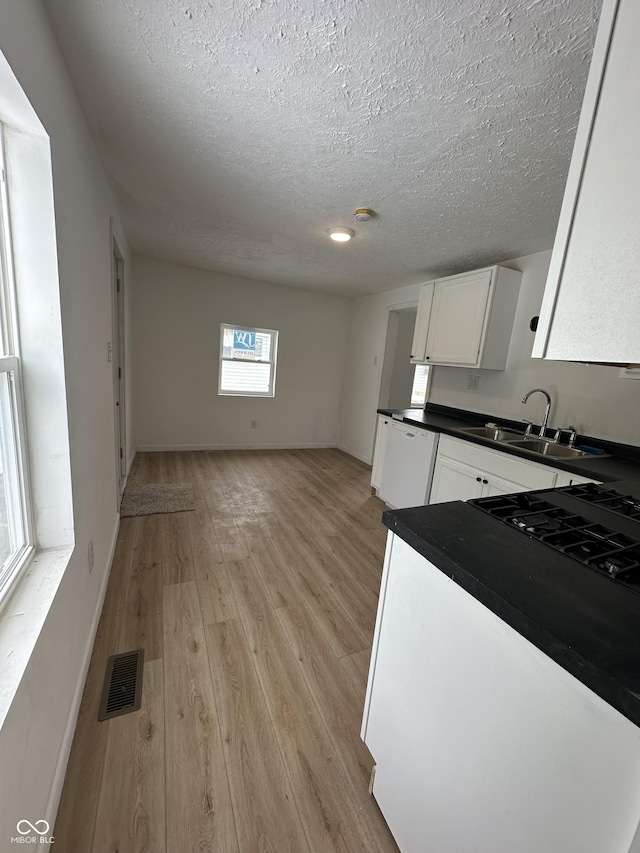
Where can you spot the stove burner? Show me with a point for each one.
(626, 505)
(615, 565)
(536, 523)
(596, 526)
(587, 548)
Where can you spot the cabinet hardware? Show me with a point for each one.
(486, 482)
(478, 479)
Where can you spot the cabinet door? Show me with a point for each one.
(454, 481)
(591, 306)
(419, 345)
(493, 485)
(379, 449)
(457, 322)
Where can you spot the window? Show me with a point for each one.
(420, 385)
(16, 540)
(247, 361)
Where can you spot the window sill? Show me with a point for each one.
(24, 615)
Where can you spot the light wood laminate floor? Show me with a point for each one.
(256, 613)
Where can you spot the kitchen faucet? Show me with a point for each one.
(543, 428)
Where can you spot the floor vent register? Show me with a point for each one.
(122, 691)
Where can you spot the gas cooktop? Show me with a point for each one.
(595, 525)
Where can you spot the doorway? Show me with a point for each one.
(118, 362)
(402, 385)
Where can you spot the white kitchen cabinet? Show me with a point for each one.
(457, 318)
(379, 449)
(591, 305)
(482, 742)
(464, 470)
(566, 478)
(454, 481)
(421, 328)
(466, 320)
(408, 465)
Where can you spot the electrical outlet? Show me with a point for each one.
(90, 555)
(254, 424)
(375, 361)
(473, 382)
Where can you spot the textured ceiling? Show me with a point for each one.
(236, 132)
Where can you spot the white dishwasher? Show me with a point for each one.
(407, 469)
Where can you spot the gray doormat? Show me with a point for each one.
(157, 497)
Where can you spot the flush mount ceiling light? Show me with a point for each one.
(341, 235)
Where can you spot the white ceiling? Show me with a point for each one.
(236, 132)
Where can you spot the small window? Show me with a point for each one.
(420, 385)
(247, 361)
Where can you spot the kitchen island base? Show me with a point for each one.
(481, 741)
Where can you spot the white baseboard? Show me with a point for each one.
(67, 741)
(131, 460)
(352, 452)
(152, 448)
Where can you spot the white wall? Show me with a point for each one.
(363, 371)
(591, 397)
(35, 736)
(177, 315)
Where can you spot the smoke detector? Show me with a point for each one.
(363, 214)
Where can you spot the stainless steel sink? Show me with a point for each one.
(548, 449)
(493, 433)
(531, 444)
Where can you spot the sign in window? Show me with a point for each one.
(247, 361)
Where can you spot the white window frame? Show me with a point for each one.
(19, 507)
(418, 369)
(271, 361)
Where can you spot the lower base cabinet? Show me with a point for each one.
(481, 742)
(464, 471)
(566, 478)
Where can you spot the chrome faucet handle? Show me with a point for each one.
(573, 434)
(529, 427)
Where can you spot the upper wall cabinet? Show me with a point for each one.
(591, 306)
(466, 320)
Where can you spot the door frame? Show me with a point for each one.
(392, 311)
(117, 356)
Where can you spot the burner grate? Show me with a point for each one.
(607, 550)
(608, 499)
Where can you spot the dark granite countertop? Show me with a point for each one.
(622, 463)
(584, 621)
